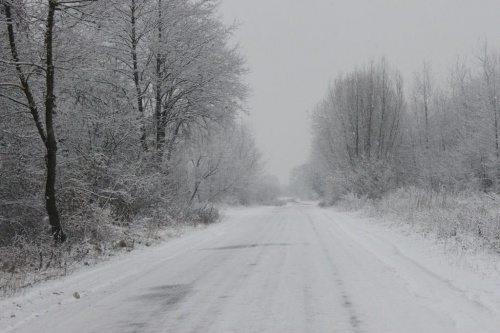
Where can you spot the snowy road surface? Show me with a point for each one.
(290, 269)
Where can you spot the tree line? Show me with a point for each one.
(373, 135)
(118, 112)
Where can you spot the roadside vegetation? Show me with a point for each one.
(118, 120)
(426, 154)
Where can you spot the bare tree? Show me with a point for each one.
(490, 65)
(197, 75)
(357, 128)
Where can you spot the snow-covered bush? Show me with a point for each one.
(470, 219)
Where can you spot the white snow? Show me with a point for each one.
(296, 268)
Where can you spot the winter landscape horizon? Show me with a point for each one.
(249, 166)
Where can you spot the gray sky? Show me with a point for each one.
(294, 47)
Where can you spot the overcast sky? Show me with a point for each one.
(294, 47)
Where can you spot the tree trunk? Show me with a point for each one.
(426, 114)
(382, 128)
(51, 143)
(172, 142)
(497, 144)
(160, 117)
(46, 134)
(137, 82)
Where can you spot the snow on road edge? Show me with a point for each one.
(49, 295)
(475, 275)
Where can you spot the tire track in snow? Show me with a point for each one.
(346, 301)
(397, 252)
(225, 286)
(448, 302)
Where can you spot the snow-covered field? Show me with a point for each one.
(296, 268)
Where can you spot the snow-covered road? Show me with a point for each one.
(296, 268)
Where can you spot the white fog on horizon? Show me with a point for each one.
(295, 47)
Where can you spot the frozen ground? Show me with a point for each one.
(296, 268)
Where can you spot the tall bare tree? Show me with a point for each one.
(42, 110)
